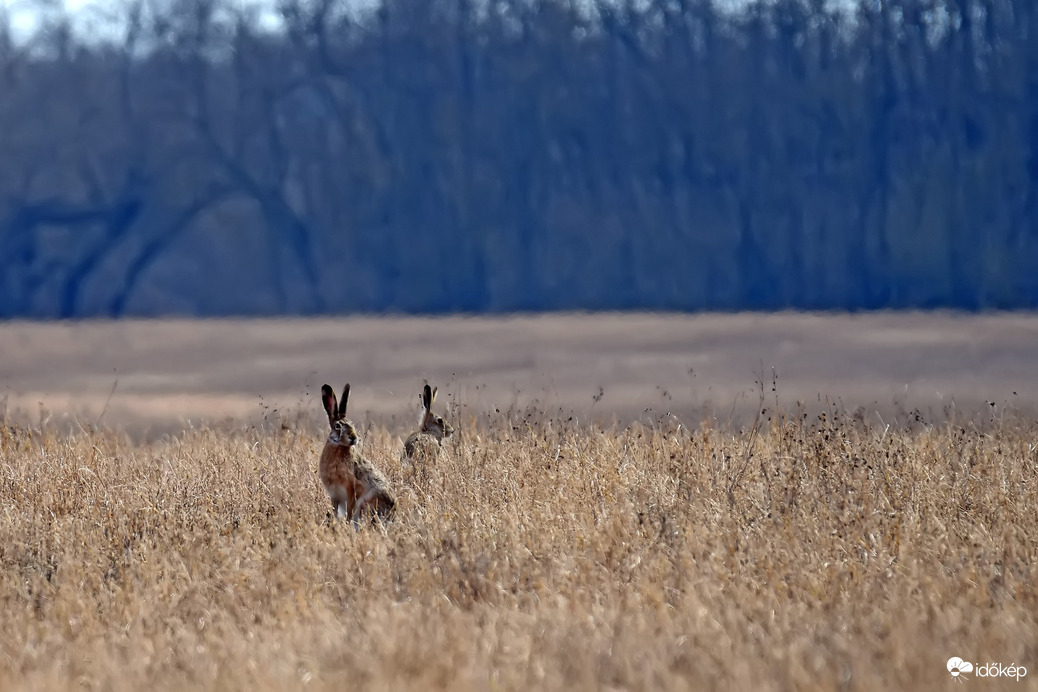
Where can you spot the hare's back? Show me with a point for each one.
(423, 447)
(411, 444)
(370, 477)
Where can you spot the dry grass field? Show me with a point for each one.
(801, 553)
(829, 547)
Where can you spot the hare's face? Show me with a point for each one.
(343, 433)
(437, 427)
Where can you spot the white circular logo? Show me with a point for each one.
(956, 666)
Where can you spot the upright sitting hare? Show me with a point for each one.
(353, 483)
(424, 443)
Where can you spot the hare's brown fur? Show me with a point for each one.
(424, 443)
(353, 483)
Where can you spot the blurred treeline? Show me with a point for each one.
(196, 157)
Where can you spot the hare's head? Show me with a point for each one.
(432, 423)
(343, 433)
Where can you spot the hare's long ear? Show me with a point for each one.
(432, 396)
(427, 397)
(328, 399)
(345, 398)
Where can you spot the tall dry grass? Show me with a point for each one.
(536, 554)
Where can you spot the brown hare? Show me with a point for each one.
(424, 443)
(353, 483)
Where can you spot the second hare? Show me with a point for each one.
(352, 482)
(424, 443)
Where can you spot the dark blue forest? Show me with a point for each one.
(512, 155)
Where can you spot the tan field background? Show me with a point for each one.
(152, 377)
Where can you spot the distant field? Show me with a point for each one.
(169, 374)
